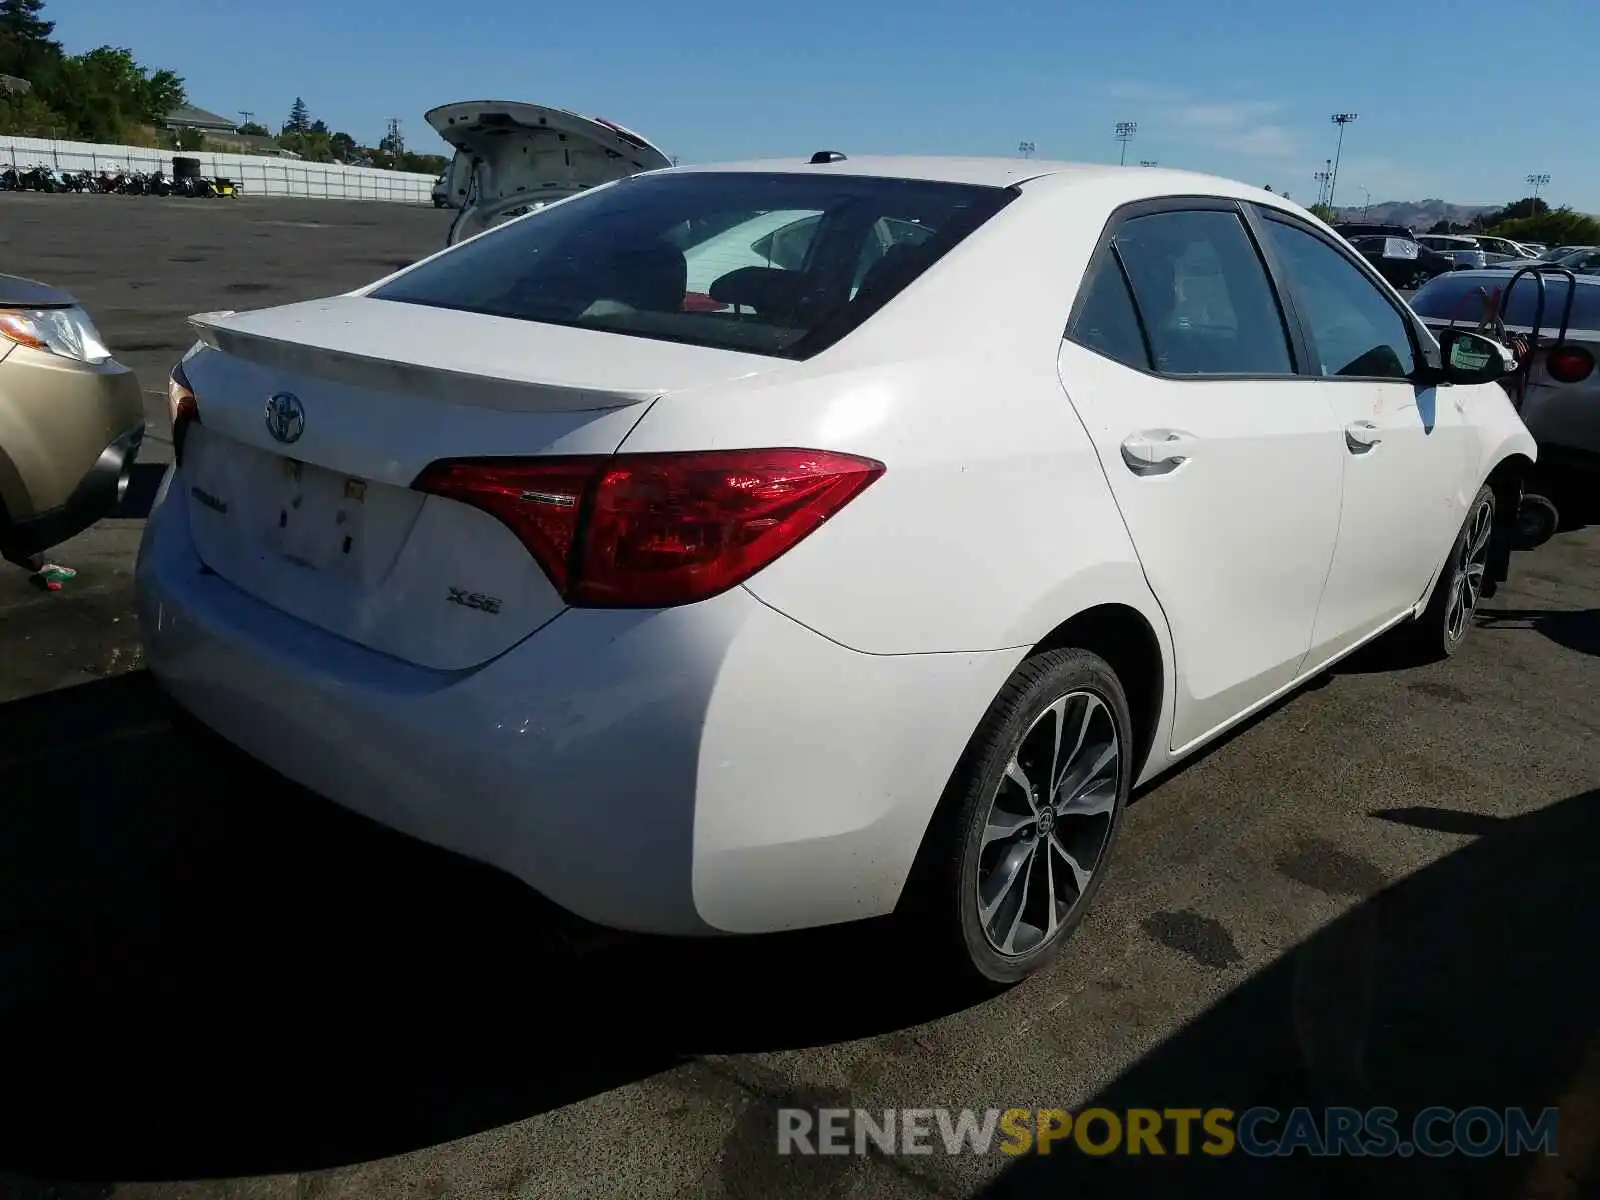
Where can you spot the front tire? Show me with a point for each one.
(1024, 833)
(1444, 624)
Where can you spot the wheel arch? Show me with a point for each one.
(1136, 647)
(1506, 479)
(13, 491)
(1512, 468)
(1126, 639)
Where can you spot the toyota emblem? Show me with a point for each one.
(286, 417)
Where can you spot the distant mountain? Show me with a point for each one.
(1418, 215)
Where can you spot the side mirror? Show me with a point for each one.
(1470, 357)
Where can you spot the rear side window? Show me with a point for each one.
(1106, 321)
(782, 264)
(1460, 298)
(1203, 292)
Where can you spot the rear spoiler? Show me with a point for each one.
(348, 364)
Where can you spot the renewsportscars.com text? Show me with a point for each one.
(1437, 1132)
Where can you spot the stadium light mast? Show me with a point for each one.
(1537, 182)
(1341, 120)
(1148, 162)
(1124, 134)
(1025, 149)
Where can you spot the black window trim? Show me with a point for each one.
(1110, 258)
(1424, 348)
(1105, 246)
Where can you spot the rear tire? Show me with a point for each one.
(1445, 622)
(1022, 838)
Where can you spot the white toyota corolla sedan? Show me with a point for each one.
(868, 580)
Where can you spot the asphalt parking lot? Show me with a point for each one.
(213, 984)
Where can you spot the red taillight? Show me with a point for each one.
(182, 407)
(1569, 364)
(654, 530)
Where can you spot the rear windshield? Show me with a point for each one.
(1454, 297)
(780, 264)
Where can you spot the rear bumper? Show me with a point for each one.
(1565, 421)
(712, 768)
(96, 496)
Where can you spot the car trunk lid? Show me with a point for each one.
(510, 156)
(316, 418)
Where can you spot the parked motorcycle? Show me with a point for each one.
(40, 178)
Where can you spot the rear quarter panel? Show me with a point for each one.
(993, 522)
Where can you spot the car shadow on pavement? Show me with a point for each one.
(207, 971)
(1579, 631)
(1464, 984)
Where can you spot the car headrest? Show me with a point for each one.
(899, 265)
(652, 276)
(765, 289)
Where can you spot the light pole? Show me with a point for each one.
(1537, 181)
(1341, 120)
(1025, 149)
(1322, 178)
(1124, 134)
(1148, 162)
(1368, 193)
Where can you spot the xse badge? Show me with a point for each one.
(477, 600)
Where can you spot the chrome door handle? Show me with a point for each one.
(1157, 451)
(1361, 436)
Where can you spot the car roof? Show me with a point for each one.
(1502, 273)
(998, 172)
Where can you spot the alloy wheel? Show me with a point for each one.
(1049, 823)
(1467, 587)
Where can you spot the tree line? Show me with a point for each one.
(314, 141)
(103, 95)
(106, 95)
(1530, 219)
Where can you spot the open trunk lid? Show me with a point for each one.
(510, 157)
(316, 418)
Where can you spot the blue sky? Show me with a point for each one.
(1242, 88)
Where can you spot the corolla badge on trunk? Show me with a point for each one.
(286, 417)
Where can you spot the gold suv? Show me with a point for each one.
(71, 421)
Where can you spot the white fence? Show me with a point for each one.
(256, 174)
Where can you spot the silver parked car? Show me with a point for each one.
(1560, 402)
(1463, 251)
